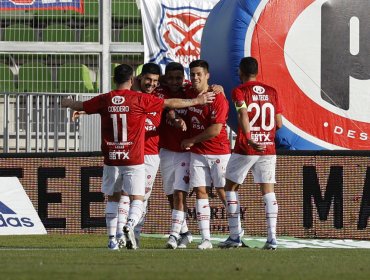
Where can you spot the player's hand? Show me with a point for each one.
(217, 89)
(186, 144)
(77, 114)
(244, 143)
(206, 98)
(181, 124)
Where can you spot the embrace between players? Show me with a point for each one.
(181, 128)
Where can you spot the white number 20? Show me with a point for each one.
(262, 112)
(115, 127)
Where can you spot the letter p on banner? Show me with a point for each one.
(17, 214)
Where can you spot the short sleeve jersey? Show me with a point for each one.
(200, 117)
(123, 114)
(263, 104)
(170, 137)
(152, 124)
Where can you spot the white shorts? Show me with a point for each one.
(131, 179)
(151, 168)
(175, 171)
(263, 168)
(208, 169)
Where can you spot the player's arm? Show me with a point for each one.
(74, 105)
(212, 131)
(278, 121)
(177, 103)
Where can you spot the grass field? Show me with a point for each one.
(86, 257)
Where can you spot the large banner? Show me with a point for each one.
(321, 194)
(74, 5)
(173, 29)
(314, 52)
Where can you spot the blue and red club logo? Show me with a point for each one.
(313, 53)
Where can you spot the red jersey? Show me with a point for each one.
(200, 117)
(263, 104)
(170, 137)
(152, 122)
(123, 114)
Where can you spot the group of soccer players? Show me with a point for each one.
(180, 127)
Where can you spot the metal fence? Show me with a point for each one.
(37, 123)
(47, 54)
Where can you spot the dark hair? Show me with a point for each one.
(199, 63)
(174, 66)
(248, 66)
(151, 68)
(122, 73)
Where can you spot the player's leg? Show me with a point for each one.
(181, 184)
(134, 182)
(264, 174)
(177, 219)
(123, 209)
(200, 178)
(236, 171)
(151, 169)
(111, 184)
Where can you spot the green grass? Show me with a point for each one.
(86, 257)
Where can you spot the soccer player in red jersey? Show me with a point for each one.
(123, 114)
(259, 115)
(209, 147)
(147, 82)
(175, 160)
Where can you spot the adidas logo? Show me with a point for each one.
(13, 220)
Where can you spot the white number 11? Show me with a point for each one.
(115, 127)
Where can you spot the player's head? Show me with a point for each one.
(248, 68)
(122, 74)
(149, 77)
(199, 74)
(174, 76)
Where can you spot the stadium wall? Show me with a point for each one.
(321, 194)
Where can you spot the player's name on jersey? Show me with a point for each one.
(118, 109)
(263, 97)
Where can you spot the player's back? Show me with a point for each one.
(123, 114)
(263, 104)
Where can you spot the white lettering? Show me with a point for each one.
(351, 134)
(363, 136)
(195, 110)
(115, 155)
(260, 97)
(338, 130)
(118, 109)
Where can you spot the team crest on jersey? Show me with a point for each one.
(259, 89)
(180, 31)
(118, 100)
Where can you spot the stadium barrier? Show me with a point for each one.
(321, 194)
